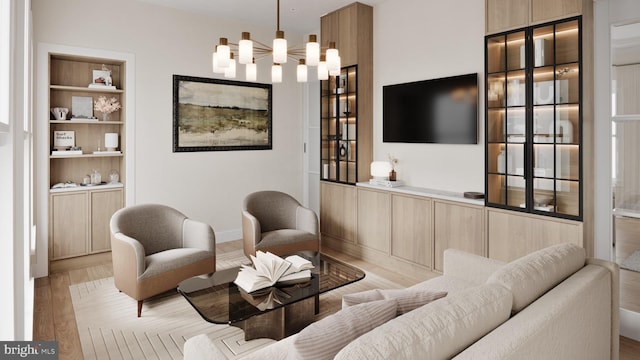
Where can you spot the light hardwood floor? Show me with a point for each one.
(54, 318)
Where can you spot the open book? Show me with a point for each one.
(268, 269)
(265, 299)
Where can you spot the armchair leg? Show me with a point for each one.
(139, 308)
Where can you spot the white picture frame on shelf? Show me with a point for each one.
(82, 107)
(64, 140)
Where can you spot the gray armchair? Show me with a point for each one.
(154, 247)
(274, 221)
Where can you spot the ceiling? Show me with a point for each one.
(295, 15)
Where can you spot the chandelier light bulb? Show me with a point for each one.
(251, 72)
(302, 71)
(280, 48)
(224, 53)
(333, 58)
(312, 51)
(216, 67)
(276, 73)
(323, 73)
(245, 49)
(335, 71)
(230, 71)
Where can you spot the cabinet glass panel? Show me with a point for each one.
(533, 119)
(496, 124)
(516, 51)
(496, 54)
(516, 125)
(543, 49)
(339, 127)
(567, 42)
(496, 90)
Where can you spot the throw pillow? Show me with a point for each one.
(533, 275)
(408, 299)
(439, 330)
(411, 299)
(361, 297)
(325, 338)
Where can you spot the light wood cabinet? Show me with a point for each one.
(459, 227)
(411, 224)
(513, 235)
(347, 100)
(79, 221)
(79, 216)
(338, 211)
(504, 15)
(104, 203)
(69, 225)
(374, 214)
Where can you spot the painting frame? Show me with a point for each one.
(221, 115)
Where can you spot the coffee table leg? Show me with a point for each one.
(280, 323)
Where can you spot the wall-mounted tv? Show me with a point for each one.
(441, 110)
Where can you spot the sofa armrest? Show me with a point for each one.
(615, 302)
(306, 220)
(467, 266)
(198, 235)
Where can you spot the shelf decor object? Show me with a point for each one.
(205, 120)
(534, 111)
(111, 141)
(246, 51)
(106, 106)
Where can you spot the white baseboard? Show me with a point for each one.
(231, 235)
(630, 324)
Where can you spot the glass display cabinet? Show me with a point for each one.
(339, 125)
(534, 118)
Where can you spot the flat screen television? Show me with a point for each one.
(441, 110)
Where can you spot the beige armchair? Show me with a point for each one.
(274, 221)
(154, 247)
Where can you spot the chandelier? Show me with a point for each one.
(247, 51)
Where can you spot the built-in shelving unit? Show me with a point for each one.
(80, 210)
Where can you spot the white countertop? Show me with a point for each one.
(633, 213)
(85, 188)
(432, 193)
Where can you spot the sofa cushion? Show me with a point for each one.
(407, 299)
(438, 330)
(533, 275)
(324, 339)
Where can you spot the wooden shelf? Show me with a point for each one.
(84, 156)
(85, 89)
(92, 122)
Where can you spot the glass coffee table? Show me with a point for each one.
(275, 312)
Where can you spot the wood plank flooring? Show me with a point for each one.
(54, 318)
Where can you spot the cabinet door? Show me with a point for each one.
(338, 211)
(103, 205)
(69, 225)
(411, 235)
(502, 15)
(459, 227)
(373, 219)
(548, 10)
(514, 235)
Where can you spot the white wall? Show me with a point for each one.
(417, 40)
(207, 186)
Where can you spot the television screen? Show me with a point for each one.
(441, 110)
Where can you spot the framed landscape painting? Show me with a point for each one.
(213, 115)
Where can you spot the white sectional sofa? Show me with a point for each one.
(551, 304)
